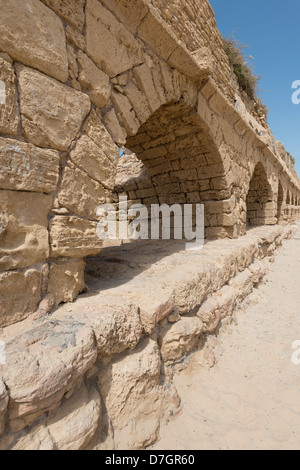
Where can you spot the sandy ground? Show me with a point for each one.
(250, 399)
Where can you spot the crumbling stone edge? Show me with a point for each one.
(104, 384)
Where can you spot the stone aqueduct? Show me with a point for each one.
(84, 77)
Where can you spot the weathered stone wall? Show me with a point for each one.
(81, 78)
(98, 374)
(194, 25)
(84, 77)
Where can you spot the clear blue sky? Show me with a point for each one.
(271, 29)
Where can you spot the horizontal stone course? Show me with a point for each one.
(74, 339)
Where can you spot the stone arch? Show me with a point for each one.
(293, 208)
(259, 201)
(280, 201)
(183, 165)
(287, 206)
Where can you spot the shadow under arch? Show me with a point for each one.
(182, 165)
(287, 205)
(280, 201)
(260, 201)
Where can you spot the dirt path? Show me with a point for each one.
(250, 399)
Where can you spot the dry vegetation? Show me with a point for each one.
(243, 70)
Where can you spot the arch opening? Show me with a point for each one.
(259, 202)
(280, 200)
(181, 165)
(287, 205)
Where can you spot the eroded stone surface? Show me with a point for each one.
(130, 12)
(138, 372)
(23, 228)
(93, 160)
(109, 44)
(26, 167)
(97, 132)
(32, 34)
(43, 364)
(69, 10)
(73, 237)
(52, 113)
(66, 280)
(80, 194)
(20, 293)
(101, 324)
(35, 438)
(93, 81)
(74, 424)
(3, 405)
(177, 340)
(117, 328)
(8, 107)
(118, 133)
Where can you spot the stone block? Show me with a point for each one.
(117, 132)
(155, 32)
(33, 34)
(74, 424)
(23, 229)
(94, 161)
(73, 237)
(80, 194)
(66, 280)
(93, 81)
(109, 43)
(117, 327)
(28, 168)
(75, 37)
(129, 12)
(138, 102)
(70, 11)
(52, 113)
(178, 339)
(8, 111)
(127, 116)
(3, 405)
(20, 294)
(43, 364)
(144, 78)
(138, 372)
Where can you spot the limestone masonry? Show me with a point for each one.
(82, 79)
